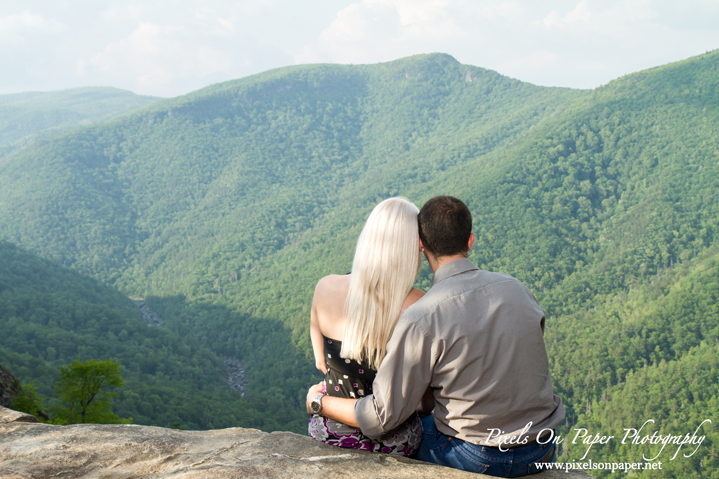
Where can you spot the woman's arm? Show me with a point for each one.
(339, 409)
(318, 346)
(327, 312)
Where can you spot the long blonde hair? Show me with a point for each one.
(385, 266)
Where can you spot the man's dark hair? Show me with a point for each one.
(445, 224)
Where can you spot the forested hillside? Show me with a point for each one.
(26, 118)
(51, 315)
(222, 208)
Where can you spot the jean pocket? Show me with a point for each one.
(461, 456)
(438, 451)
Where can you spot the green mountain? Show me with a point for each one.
(26, 118)
(222, 208)
(662, 338)
(51, 315)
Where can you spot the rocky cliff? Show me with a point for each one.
(9, 387)
(29, 449)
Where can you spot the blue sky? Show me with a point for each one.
(171, 47)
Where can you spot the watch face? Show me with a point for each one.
(317, 404)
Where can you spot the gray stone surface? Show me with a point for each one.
(34, 450)
(9, 416)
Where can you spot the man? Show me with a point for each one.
(473, 349)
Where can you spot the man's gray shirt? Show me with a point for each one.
(476, 338)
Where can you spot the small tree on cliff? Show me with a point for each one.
(28, 401)
(83, 391)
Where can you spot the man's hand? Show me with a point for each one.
(426, 405)
(311, 394)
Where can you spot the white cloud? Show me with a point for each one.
(124, 12)
(354, 35)
(359, 22)
(540, 59)
(380, 30)
(615, 19)
(155, 55)
(580, 14)
(580, 43)
(169, 47)
(213, 23)
(415, 12)
(167, 60)
(504, 9)
(15, 28)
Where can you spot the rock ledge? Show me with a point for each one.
(29, 449)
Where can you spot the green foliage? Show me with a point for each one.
(84, 392)
(28, 401)
(50, 315)
(679, 396)
(647, 353)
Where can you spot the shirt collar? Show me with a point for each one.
(453, 268)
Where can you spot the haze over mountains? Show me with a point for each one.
(26, 118)
(222, 208)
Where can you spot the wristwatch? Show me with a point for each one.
(316, 404)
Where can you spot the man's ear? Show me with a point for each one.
(421, 246)
(470, 242)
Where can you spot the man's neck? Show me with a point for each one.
(437, 262)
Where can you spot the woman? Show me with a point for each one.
(353, 317)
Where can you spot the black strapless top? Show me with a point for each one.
(345, 377)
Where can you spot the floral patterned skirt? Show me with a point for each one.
(402, 441)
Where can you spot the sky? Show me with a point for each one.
(171, 47)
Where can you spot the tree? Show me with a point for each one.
(29, 402)
(83, 392)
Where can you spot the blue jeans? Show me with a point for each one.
(452, 452)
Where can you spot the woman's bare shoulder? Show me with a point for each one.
(413, 296)
(328, 304)
(332, 282)
(331, 288)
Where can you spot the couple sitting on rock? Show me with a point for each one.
(457, 376)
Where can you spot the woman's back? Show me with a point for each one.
(348, 378)
(345, 377)
(353, 317)
(327, 316)
(328, 304)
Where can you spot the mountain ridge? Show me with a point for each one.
(31, 117)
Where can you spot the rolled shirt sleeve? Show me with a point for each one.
(400, 383)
